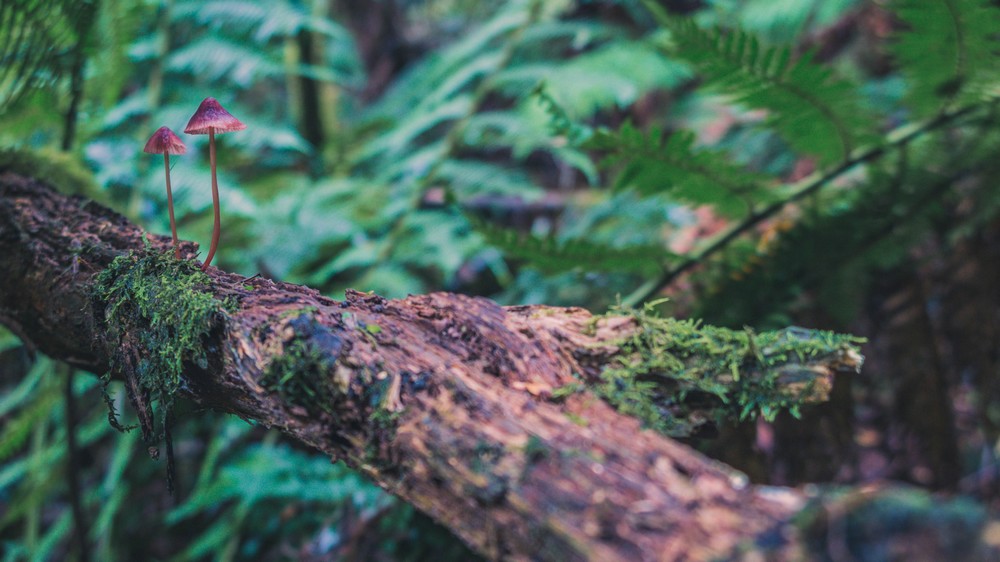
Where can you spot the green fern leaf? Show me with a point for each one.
(653, 164)
(816, 112)
(551, 255)
(559, 121)
(216, 58)
(18, 428)
(950, 52)
(264, 20)
(470, 178)
(34, 38)
(612, 75)
(437, 79)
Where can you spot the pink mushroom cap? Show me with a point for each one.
(164, 141)
(212, 115)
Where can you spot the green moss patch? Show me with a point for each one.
(677, 375)
(303, 374)
(160, 310)
(56, 168)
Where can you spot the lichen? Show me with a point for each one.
(163, 306)
(677, 375)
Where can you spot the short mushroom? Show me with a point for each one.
(212, 118)
(165, 142)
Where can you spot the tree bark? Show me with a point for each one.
(444, 400)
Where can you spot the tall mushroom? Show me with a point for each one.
(212, 118)
(165, 142)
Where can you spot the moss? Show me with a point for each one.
(560, 393)
(485, 455)
(297, 312)
(577, 420)
(535, 449)
(58, 169)
(384, 413)
(385, 420)
(163, 305)
(676, 375)
(303, 373)
(308, 373)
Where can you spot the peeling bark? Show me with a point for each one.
(444, 400)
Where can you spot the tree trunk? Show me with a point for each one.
(444, 400)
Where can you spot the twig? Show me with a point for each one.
(172, 483)
(73, 466)
(83, 26)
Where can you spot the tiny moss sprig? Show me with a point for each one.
(676, 375)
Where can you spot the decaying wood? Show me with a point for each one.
(464, 426)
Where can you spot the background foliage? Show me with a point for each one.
(829, 163)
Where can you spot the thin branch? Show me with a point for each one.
(83, 26)
(73, 466)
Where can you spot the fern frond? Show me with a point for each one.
(265, 20)
(951, 51)
(559, 121)
(216, 58)
(868, 228)
(400, 139)
(551, 255)
(616, 74)
(816, 112)
(16, 431)
(469, 178)
(432, 81)
(653, 164)
(561, 33)
(34, 38)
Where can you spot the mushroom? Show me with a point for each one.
(165, 142)
(212, 118)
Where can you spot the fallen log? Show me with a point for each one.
(500, 422)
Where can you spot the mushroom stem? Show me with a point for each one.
(170, 205)
(217, 227)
